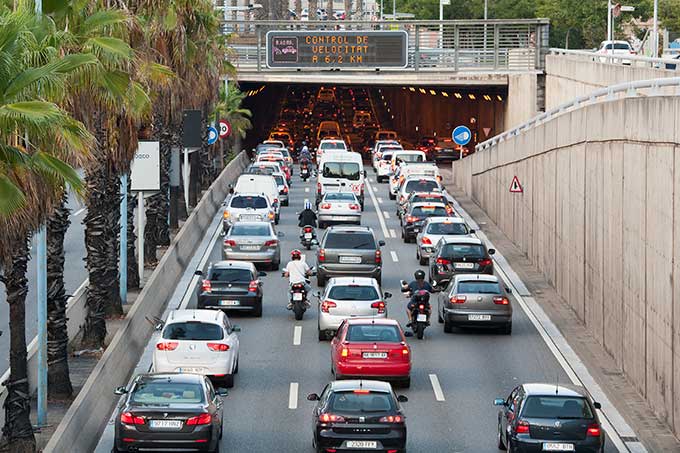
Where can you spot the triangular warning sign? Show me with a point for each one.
(515, 186)
(487, 131)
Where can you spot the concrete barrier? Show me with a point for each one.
(81, 427)
(598, 218)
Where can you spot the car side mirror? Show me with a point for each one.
(381, 243)
(408, 333)
(402, 399)
(235, 328)
(365, 174)
(471, 231)
(318, 294)
(280, 234)
(120, 391)
(508, 290)
(261, 274)
(312, 397)
(492, 251)
(199, 272)
(499, 402)
(597, 405)
(221, 391)
(231, 189)
(387, 295)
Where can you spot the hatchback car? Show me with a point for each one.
(340, 207)
(416, 184)
(349, 297)
(474, 300)
(247, 207)
(256, 242)
(459, 255)
(231, 285)
(198, 341)
(549, 417)
(412, 221)
(358, 416)
(169, 410)
(347, 251)
(373, 348)
(433, 230)
(422, 197)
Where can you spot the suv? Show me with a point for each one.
(247, 207)
(349, 250)
(458, 255)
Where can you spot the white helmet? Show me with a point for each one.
(308, 205)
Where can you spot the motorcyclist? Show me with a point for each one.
(305, 156)
(297, 271)
(307, 216)
(413, 288)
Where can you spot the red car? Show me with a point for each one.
(371, 348)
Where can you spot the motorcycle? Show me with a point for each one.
(419, 313)
(299, 298)
(307, 236)
(304, 173)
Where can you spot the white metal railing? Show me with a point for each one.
(670, 64)
(629, 89)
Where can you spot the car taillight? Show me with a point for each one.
(327, 304)
(331, 418)
(308, 229)
(455, 299)
(318, 187)
(285, 189)
(426, 240)
(361, 188)
(379, 305)
(206, 286)
(411, 219)
(501, 301)
(218, 347)
(203, 419)
(130, 419)
(322, 255)
(229, 243)
(167, 345)
(443, 261)
(272, 243)
(485, 262)
(522, 427)
(325, 206)
(344, 352)
(392, 419)
(594, 430)
(354, 207)
(252, 287)
(378, 257)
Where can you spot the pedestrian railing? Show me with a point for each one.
(671, 64)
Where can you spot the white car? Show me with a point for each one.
(433, 230)
(330, 145)
(349, 297)
(201, 342)
(339, 207)
(416, 184)
(247, 206)
(616, 49)
(383, 167)
(376, 152)
(405, 170)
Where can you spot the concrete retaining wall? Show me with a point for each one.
(522, 99)
(81, 427)
(597, 217)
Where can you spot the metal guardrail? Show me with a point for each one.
(670, 64)
(630, 89)
(451, 46)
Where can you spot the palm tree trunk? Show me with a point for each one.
(58, 379)
(348, 9)
(17, 434)
(132, 272)
(114, 306)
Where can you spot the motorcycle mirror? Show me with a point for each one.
(492, 251)
(471, 231)
(402, 399)
(403, 282)
(312, 397)
(408, 334)
(280, 234)
(387, 295)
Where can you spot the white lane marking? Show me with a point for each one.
(293, 396)
(378, 212)
(438, 394)
(395, 258)
(297, 335)
(386, 214)
(191, 289)
(78, 212)
(306, 189)
(393, 233)
(570, 362)
(380, 200)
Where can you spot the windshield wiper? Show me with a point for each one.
(361, 245)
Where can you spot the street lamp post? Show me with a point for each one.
(655, 37)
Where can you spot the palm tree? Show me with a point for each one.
(313, 6)
(229, 107)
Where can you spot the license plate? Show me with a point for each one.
(375, 355)
(350, 259)
(229, 302)
(362, 444)
(421, 317)
(189, 370)
(558, 447)
(308, 235)
(479, 317)
(250, 247)
(165, 424)
(464, 265)
(249, 217)
(297, 296)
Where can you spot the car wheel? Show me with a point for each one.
(440, 318)
(258, 310)
(217, 446)
(276, 265)
(322, 225)
(115, 450)
(236, 367)
(448, 327)
(501, 445)
(320, 281)
(507, 329)
(323, 335)
(285, 203)
(228, 380)
(221, 430)
(422, 261)
(392, 196)
(406, 383)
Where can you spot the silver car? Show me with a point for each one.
(340, 207)
(433, 230)
(283, 187)
(256, 242)
(247, 207)
(475, 300)
(349, 297)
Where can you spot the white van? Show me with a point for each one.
(264, 184)
(341, 171)
(406, 156)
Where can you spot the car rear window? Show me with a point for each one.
(429, 211)
(346, 170)
(373, 333)
(421, 185)
(618, 46)
(360, 403)
(556, 407)
(428, 198)
(192, 330)
(479, 287)
(459, 251)
(230, 275)
(332, 145)
(447, 228)
(243, 201)
(386, 157)
(409, 158)
(163, 392)
(353, 292)
(340, 196)
(348, 240)
(240, 229)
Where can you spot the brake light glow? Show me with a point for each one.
(285, 189)
(327, 304)
(379, 305)
(522, 427)
(392, 419)
(252, 287)
(226, 214)
(354, 207)
(501, 301)
(322, 255)
(218, 347)
(167, 345)
(271, 243)
(308, 229)
(331, 418)
(206, 286)
(344, 352)
(378, 257)
(485, 262)
(443, 261)
(421, 307)
(271, 215)
(594, 430)
(325, 206)
(426, 241)
(404, 351)
(361, 391)
(455, 299)
(203, 419)
(318, 187)
(230, 243)
(411, 219)
(130, 419)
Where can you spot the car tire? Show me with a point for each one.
(507, 329)
(323, 335)
(440, 318)
(221, 430)
(406, 383)
(322, 225)
(258, 310)
(276, 265)
(320, 281)
(285, 203)
(228, 380)
(392, 196)
(422, 261)
(115, 450)
(501, 445)
(236, 367)
(217, 447)
(448, 327)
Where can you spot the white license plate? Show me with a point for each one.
(297, 296)
(250, 247)
(558, 447)
(165, 424)
(308, 235)
(464, 265)
(362, 444)
(189, 370)
(250, 217)
(421, 317)
(479, 317)
(375, 355)
(350, 259)
(229, 302)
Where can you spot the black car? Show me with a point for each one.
(231, 285)
(456, 255)
(549, 417)
(169, 411)
(412, 221)
(358, 415)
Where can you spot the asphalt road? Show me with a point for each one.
(472, 367)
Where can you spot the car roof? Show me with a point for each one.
(475, 277)
(211, 316)
(355, 384)
(368, 320)
(419, 177)
(349, 229)
(461, 240)
(172, 377)
(225, 264)
(253, 222)
(419, 204)
(544, 389)
(364, 281)
(248, 194)
(332, 140)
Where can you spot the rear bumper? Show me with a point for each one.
(201, 439)
(358, 369)
(461, 318)
(412, 229)
(340, 270)
(589, 445)
(340, 218)
(425, 251)
(254, 257)
(246, 303)
(394, 439)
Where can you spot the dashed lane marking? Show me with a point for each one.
(78, 212)
(393, 233)
(395, 258)
(438, 394)
(386, 214)
(293, 396)
(383, 226)
(380, 200)
(297, 335)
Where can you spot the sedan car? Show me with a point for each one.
(256, 242)
(340, 207)
(349, 297)
(412, 221)
(549, 417)
(416, 184)
(169, 410)
(247, 207)
(349, 250)
(433, 230)
(474, 300)
(358, 416)
(198, 341)
(422, 197)
(231, 285)
(459, 255)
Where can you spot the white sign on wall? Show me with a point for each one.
(145, 172)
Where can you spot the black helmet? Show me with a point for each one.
(419, 275)
(421, 297)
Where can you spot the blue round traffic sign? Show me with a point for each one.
(461, 135)
(212, 135)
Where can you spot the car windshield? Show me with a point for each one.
(459, 251)
(421, 185)
(282, 137)
(478, 287)
(246, 201)
(164, 392)
(353, 292)
(348, 240)
(618, 46)
(340, 196)
(346, 170)
(241, 229)
(193, 331)
(230, 274)
(429, 211)
(560, 407)
(447, 228)
(385, 135)
(373, 333)
(409, 158)
(428, 198)
(360, 401)
(332, 145)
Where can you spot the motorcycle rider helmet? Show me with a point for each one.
(296, 254)
(419, 275)
(304, 143)
(308, 205)
(421, 297)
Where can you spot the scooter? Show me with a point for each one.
(419, 313)
(307, 236)
(299, 298)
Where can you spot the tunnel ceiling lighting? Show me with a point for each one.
(458, 95)
(422, 90)
(411, 88)
(433, 93)
(392, 116)
(445, 94)
(472, 96)
(487, 97)
(499, 97)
